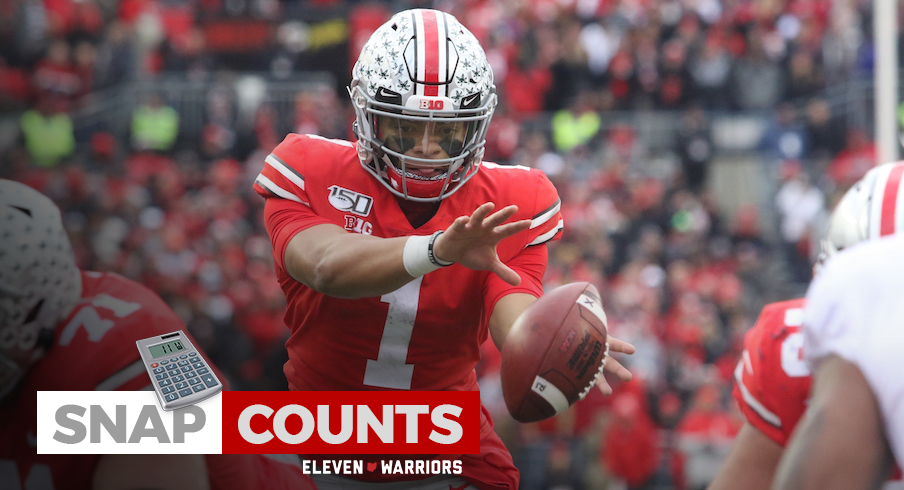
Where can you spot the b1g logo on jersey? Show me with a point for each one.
(348, 200)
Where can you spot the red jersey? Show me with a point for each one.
(94, 349)
(772, 380)
(427, 334)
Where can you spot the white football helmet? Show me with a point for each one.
(39, 280)
(423, 95)
(871, 208)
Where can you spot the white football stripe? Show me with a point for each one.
(419, 50)
(594, 306)
(279, 191)
(546, 216)
(550, 393)
(752, 402)
(442, 48)
(285, 171)
(548, 235)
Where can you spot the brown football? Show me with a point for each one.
(554, 352)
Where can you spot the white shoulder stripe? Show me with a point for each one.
(285, 170)
(548, 235)
(122, 377)
(751, 401)
(546, 215)
(331, 140)
(277, 190)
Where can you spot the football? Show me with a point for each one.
(554, 352)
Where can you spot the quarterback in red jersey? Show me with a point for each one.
(772, 378)
(66, 329)
(393, 263)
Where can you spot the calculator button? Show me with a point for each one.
(191, 374)
(171, 397)
(174, 372)
(203, 371)
(184, 363)
(186, 369)
(193, 381)
(182, 385)
(192, 354)
(183, 356)
(164, 362)
(165, 382)
(174, 359)
(167, 389)
(161, 376)
(178, 378)
(197, 388)
(198, 365)
(159, 370)
(154, 365)
(185, 392)
(208, 380)
(195, 359)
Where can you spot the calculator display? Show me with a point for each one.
(167, 348)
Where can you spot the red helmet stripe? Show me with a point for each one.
(890, 201)
(431, 52)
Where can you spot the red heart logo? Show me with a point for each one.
(371, 467)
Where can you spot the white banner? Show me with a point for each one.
(126, 422)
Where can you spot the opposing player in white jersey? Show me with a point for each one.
(772, 380)
(853, 339)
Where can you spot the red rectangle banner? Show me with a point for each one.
(351, 422)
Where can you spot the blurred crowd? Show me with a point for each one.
(178, 213)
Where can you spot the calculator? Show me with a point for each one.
(180, 375)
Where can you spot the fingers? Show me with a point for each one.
(603, 385)
(505, 273)
(616, 368)
(501, 216)
(616, 345)
(510, 229)
(480, 213)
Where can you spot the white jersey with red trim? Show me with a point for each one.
(855, 311)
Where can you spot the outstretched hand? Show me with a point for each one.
(471, 240)
(614, 367)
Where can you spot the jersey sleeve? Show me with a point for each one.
(288, 209)
(771, 382)
(283, 174)
(546, 223)
(530, 264)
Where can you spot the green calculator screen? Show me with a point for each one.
(167, 348)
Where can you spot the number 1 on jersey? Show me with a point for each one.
(389, 369)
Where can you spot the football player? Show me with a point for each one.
(401, 252)
(772, 379)
(66, 329)
(854, 426)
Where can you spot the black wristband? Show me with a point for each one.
(431, 255)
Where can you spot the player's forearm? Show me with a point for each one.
(346, 265)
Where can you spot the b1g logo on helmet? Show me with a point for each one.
(348, 200)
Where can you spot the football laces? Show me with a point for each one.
(596, 376)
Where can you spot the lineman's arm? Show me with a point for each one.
(151, 471)
(332, 261)
(751, 463)
(839, 443)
